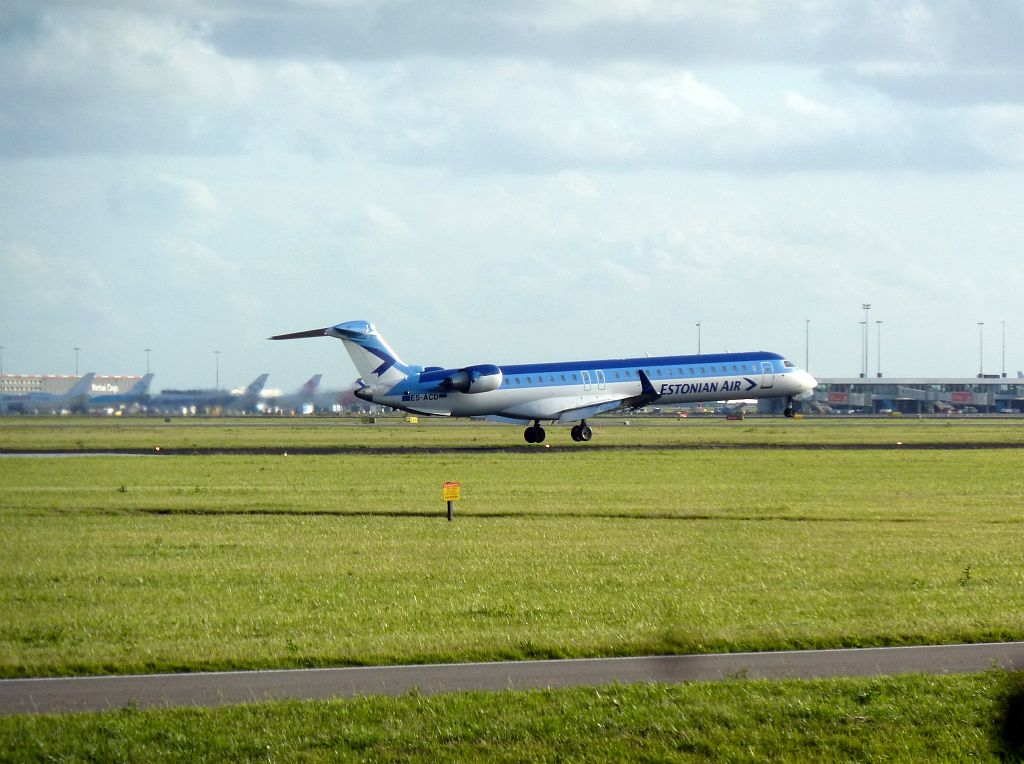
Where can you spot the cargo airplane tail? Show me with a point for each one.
(73, 400)
(134, 396)
(569, 391)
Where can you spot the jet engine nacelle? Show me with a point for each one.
(482, 378)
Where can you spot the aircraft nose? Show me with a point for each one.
(807, 382)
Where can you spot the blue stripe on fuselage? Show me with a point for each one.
(675, 367)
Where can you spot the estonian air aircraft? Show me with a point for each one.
(559, 392)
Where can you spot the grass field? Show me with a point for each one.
(911, 718)
(146, 433)
(121, 564)
(666, 537)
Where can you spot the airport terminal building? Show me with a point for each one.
(920, 395)
(58, 384)
(911, 395)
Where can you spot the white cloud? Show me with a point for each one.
(829, 118)
(578, 184)
(620, 275)
(122, 82)
(195, 263)
(39, 286)
(998, 130)
(501, 169)
(57, 277)
(385, 224)
(165, 199)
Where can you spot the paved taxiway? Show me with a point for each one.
(220, 688)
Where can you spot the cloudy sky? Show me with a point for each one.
(504, 182)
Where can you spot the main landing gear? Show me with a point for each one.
(581, 433)
(535, 433)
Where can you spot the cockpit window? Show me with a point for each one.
(789, 364)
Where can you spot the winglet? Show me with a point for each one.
(647, 392)
(646, 388)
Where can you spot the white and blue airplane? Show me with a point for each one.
(74, 400)
(571, 391)
(114, 401)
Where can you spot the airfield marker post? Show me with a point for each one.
(451, 493)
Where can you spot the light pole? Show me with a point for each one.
(981, 348)
(1004, 371)
(698, 338)
(76, 360)
(147, 360)
(807, 344)
(1, 361)
(878, 343)
(216, 355)
(863, 348)
(866, 307)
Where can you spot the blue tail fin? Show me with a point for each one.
(375, 361)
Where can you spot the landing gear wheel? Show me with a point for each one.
(788, 411)
(581, 433)
(534, 434)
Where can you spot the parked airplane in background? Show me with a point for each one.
(51, 403)
(194, 401)
(295, 402)
(138, 393)
(559, 392)
(248, 401)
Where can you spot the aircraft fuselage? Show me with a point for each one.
(579, 389)
(559, 392)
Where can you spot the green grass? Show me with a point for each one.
(175, 563)
(909, 718)
(760, 484)
(121, 564)
(91, 433)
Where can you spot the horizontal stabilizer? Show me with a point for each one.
(300, 335)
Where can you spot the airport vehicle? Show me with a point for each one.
(51, 403)
(199, 401)
(113, 401)
(559, 392)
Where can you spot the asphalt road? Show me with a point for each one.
(221, 688)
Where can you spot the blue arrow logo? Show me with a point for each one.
(388, 360)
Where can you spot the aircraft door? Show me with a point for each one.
(767, 375)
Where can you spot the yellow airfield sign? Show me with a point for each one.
(452, 491)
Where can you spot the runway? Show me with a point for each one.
(221, 688)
